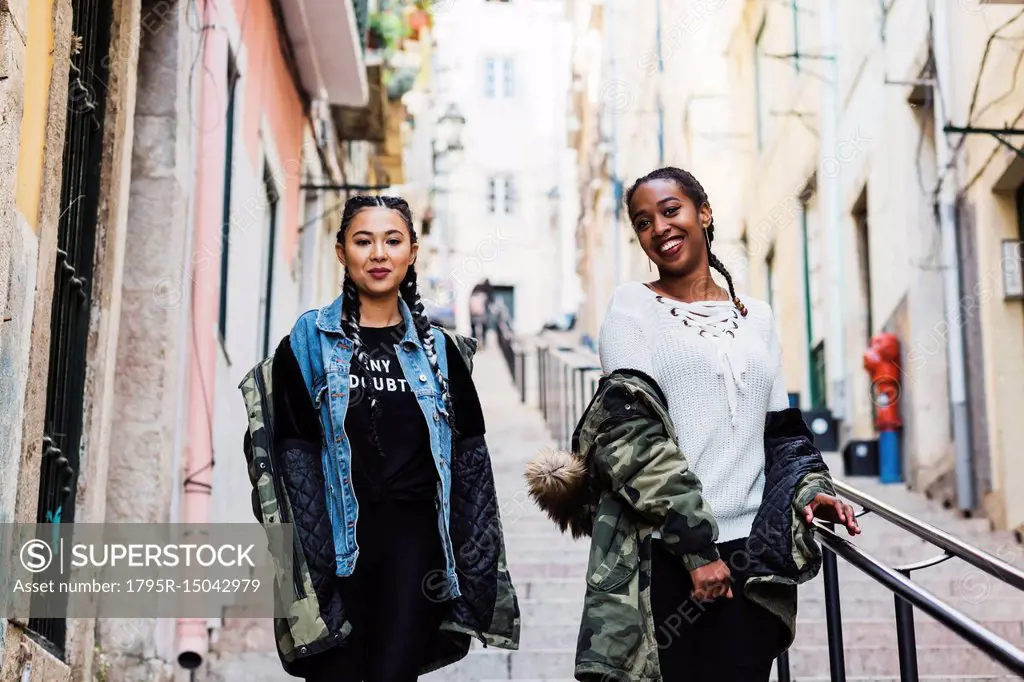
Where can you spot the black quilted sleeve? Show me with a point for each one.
(475, 528)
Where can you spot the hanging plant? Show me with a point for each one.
(400, 82)
(417, 20)
(385, 31)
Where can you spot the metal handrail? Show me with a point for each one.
(562, 400)
(936, 536)
(511, 349)
(901, 585)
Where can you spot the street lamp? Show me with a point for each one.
(450, 127)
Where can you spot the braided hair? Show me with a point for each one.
(408, 290)
(692, 189)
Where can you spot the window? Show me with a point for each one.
(489, 68)
(492, 195)
(819, 389)
(509, 77)
(1020, 211)
(510, 195)
(502, 196)
(270, 202)
(758, 93)
(225, 223)
(860, 217)
(308, 252)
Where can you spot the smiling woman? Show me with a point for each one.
(373, 429)
(700, 384)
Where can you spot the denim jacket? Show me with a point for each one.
(324, 355)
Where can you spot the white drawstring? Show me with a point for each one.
(717, 322)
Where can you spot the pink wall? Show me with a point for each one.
(198, 453)
(267, 89)
(270, 91)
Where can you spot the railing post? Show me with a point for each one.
(566, 379)
(542, 390)
(833, 615)
(522, 376)
(906, 640)
(782, 666)
(574, 413)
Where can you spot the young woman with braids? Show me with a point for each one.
(717, 359)
(705, 479)
(380, 434)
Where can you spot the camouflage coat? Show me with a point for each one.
(626, 481)
(288, 489)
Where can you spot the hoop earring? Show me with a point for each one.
(707, 239)
(650, 264)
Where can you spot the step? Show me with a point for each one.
(864, 662)
(852, 607)
(495, 664)
(884, 660)
(856, 633)
(949, 589)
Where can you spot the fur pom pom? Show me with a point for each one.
(557, 482)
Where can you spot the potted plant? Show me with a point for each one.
(384, 31)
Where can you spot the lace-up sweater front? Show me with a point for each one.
(720, 373)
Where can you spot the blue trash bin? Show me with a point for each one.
(890, 466)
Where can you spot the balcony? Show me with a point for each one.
(327, 40)
(366, 121)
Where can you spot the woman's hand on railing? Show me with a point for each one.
(829, 508)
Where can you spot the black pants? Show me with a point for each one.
(393, 599)
(728, 640)
(480, 327)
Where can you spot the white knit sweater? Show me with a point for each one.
(720, 373)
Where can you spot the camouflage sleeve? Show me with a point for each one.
(635, 454)
(810, 485)
(255, 495)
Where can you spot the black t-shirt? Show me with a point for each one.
(404, 467)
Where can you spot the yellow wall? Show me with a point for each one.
(38, 68)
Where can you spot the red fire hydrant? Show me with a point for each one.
(881, 361)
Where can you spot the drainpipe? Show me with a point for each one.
(192, 635)
(832, 205)
(166, 639)
(947, 201)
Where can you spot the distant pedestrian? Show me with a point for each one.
(367, 435)
(696, 481)
(479, 312)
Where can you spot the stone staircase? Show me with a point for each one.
(548, 570)
(869, 630)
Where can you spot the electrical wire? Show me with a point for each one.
(984, 58)
(1009, 91)
(956, 148)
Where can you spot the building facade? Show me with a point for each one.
(176, 172)
(506, 206)
(837, 197)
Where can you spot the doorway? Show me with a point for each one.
(507, 295)
(860, 218)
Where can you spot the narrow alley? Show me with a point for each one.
(180, 181)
